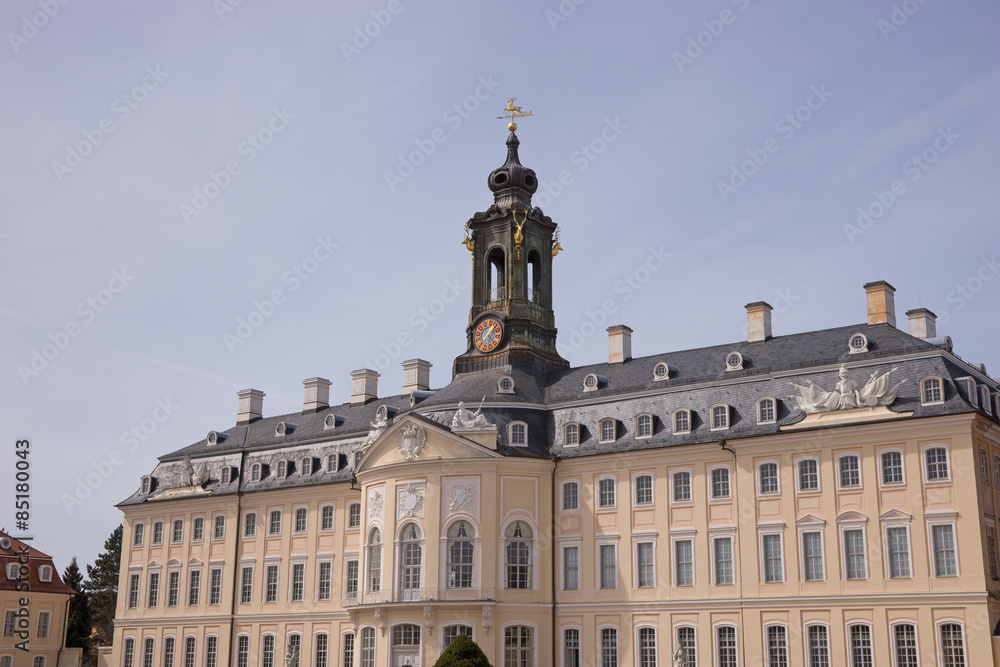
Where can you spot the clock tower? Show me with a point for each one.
(511, 322)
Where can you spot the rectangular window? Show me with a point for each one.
(861, 646)
(211, 651)
(322, 649)
(899, 552)
(326, 518)
(198, 530)
(267, 651)
(991, 547)
(819, 646)
(720, 483)
(571, 647)
(215, 586)
(609, 566)
(682, 421)
(274, 527)
(168, 652)
(608, 430)
(996, 470)
(451, 633)
(774, 568)
(768, 473)
(854, 554)
(137, 533)
(325, 570)
(194, 587)
(158, 532)
(643, 490)
(812, 556)
(354, 515)
(349, 649)
(606, 496)
(128, 652)
(154, 589)
(952, 645)
(133, 591)
(937, 463)
(723, 547)
(9, 623)
(904, 639)
(645, 571)
(808, 475)
(271, 588)
(301, 518)
(720, 417)
(298, 581)
(189, 656)
(647, 647)
(932, 390)
(609, 647)
(351, 587)
(219, 530)
(945, 563)
(984, 468)
(682, 487)
(367, 647)
(42, 631)
(178, 533)
(725, 645)
(684, 563)
(250, 524)
(246, 585)
(777, 646)
(173, 588)
(571, 568)
(892, 468)
(571, 496)
(850, 471)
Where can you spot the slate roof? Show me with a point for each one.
(547, 401)
(35, 559)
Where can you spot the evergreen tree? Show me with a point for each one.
(463, 652)
(102, 585)
(79, 625)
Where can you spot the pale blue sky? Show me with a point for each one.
(663, 133)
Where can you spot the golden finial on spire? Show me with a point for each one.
(513, 111)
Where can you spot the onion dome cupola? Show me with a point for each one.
(513, 183)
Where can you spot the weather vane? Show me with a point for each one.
(513, 111)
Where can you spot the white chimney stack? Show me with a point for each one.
(416, 376)
(758, 321)
(251, 405)
(923, 323)
(317, 394)
(881, 303)
(619, 344)
(364, 386)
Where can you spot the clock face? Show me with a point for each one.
(488, 334)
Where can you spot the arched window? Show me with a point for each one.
(518, 552)
(644, 426)
(518, 646)
(930, 390)
(405, 644)
(534, 277)
(410, 560)
(682, 421)
(608, 430)
(461, 555)
(766, 411)
(375, 560)
(496, 275)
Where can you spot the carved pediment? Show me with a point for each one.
(895, 515)
(414, 440)
(810, 520)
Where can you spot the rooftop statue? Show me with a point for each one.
(846, 396)
(465, 418)
(379, 425)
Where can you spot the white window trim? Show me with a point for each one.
(798, 476)
(916, 637)
(295, 511)
(256, 524)
(684, 624)
(897, 520)
(944, 518)
(690, 473)
(635, 638)
(143, 542)
(652, 426)
(948, 461)
(202, 538)
(811, 524)
(579, 432)
(711, 416)
(652, 487)
(673, 421)
(937, 638)
(597, 493)
(173, 530)
(152, 533)
(574, 541)
(535, 554)
(649, 537)
(923, 393)
(682, 535)
(224, 527)
(871, 634)
(510, 434)
(292, 562)
(347, 517)
(562, 642)
(535, 649)
(767, 530)
(775, 407)
(760, 464)
(708, 479)
(878, 457)
(449, 624)
(319, 518)
(805, 637)
(579, 496)
(600, 430)
(715, 640)
(281, 522)
(861, 471)
(788, 639)
(345, 558)
(618, 640)
(722, 532)
(256, 470)
(45, 573)
(326, 558)
(854, 521)
(605, 541)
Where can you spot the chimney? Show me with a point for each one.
(317, 395)
(251, 405)
(364, 385)
(923, 323)
(619, 344)
(881, 306)
(416, 376)
(758, 321)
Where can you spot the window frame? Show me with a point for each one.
(772, 531)
(798, 474)
(638, 428)
(601, 439)
(673, 421)
(253, 534)
(562, 496)
(925, 466)
(777, 477)
(685, 625)
(683, 536)
(715, 641)
(673, 486)
(156, 539)
(270, 521)
(565, 434)
(939, 644)
(767, 640)
(639, 539)
(807, 642)
(839, 475)
(656, 643)
(532, 564)
(728, 417)
(880, 454)
(923, 390)
(897, 522)
(322, 517)
(599, 636)
(599, 492)
(510, 434)
(710, 473)
(947, 518)
(215, 527)
(850, 645)
(351, 525)
(854, 521)
(812, 525)
(893, 649)
(474, 537)
(652, 489)
(174, 538)
(198, 528)
(600, 543)
(575, 543)
(774, 410)
(300, 516)
(728, 533)
(138, 534)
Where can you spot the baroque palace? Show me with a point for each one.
(780, 500)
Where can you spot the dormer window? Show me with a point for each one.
(766, 411)
(518, 434)
(682, 421)
(735, 361)
(225, 475)
(930, 391)
(331, 462)
(145, 485)
(283, 428)
(608, 430)
(984, 399)
(857, 343)
(255, 472)
(720, 417)
(505, 385)
(12, 570)
(970, 388)
(662, 371)
(214, 437)
(644, 426)
(282, 470)
(307, 466)
(45, 573)
(332, 421)
(357, 458)
(572, 432)
(593, 382)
